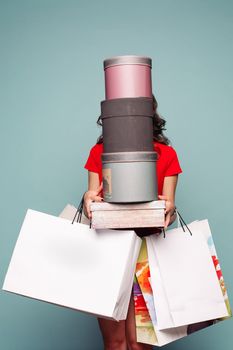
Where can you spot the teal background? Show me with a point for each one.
(52, 83)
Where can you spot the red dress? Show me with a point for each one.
(166, 165)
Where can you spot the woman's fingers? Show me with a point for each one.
(88, 205)
(167, 202)
(167, 219)
(169, 207)
(90, 196)
(98, 199)
(162, 197)
(168, 210)
(87, 210)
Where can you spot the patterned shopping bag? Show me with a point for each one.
(145, 313)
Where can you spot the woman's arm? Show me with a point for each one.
(169, 189)
(94, 188)
(93, 181)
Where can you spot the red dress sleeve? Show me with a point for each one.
(91, 163)
(173, 165)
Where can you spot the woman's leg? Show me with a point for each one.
(130, 328)
(113, 333)
(119, 335)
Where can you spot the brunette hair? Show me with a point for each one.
(158, 126)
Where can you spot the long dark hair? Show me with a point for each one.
(158, 126)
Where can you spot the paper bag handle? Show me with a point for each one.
(79, 211)
(181, 222)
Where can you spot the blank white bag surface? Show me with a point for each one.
(163, 314)
(69, 213)
(189, 278)
(72, 265)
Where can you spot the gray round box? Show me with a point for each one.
(129, 177)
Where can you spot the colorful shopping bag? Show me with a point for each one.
(145, 312)
(143, 287)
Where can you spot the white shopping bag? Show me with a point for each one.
(145, 312)
(74, 266)
(186, 289)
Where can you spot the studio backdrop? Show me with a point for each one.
(51, 85)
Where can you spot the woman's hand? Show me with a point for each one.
(169, 211)
(92, 196)
(169, 218)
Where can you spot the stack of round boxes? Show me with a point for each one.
(128, 158)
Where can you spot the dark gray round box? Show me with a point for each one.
(127, 124)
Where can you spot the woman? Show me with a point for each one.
(122, 335)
